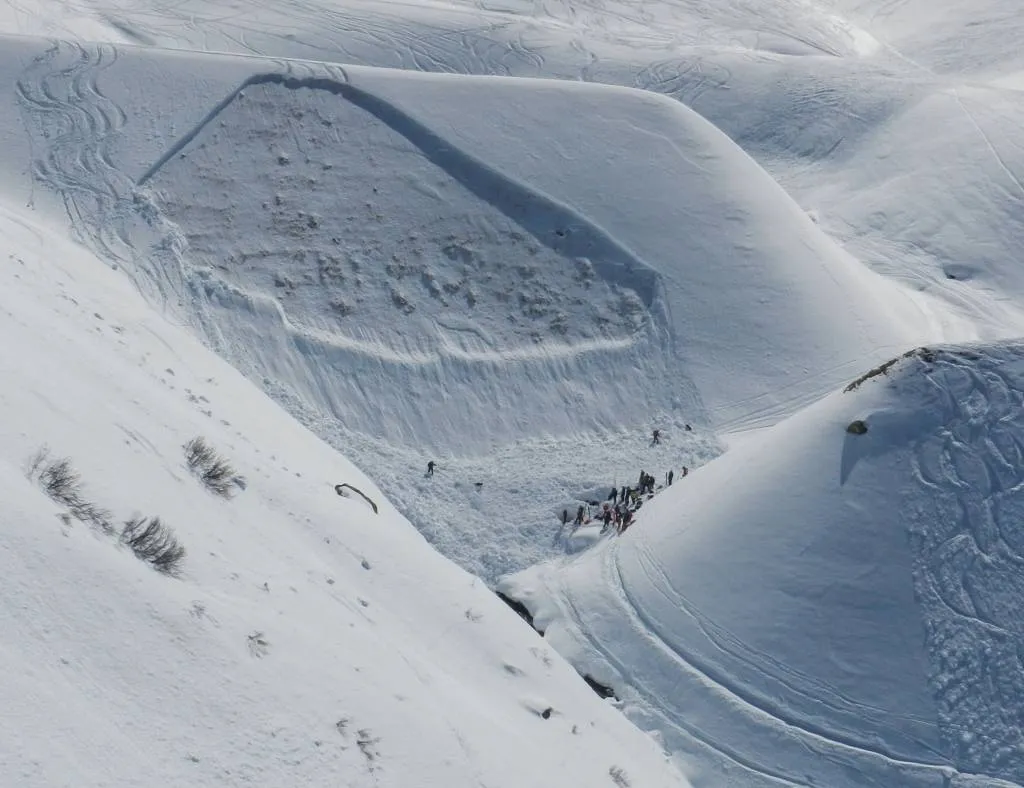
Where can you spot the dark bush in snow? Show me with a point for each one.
(925, 354)
(62, 483)
(155, 543)
(216, 473)
(857, 427)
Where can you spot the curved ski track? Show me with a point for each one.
(702, 686)
(59, 91)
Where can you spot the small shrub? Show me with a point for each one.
(619, 776)
(62, 483)
(198, 454)
(154, 542)
(214, 471)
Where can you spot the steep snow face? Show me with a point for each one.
(307, 640)
(824, 607)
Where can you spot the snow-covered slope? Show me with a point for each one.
(520, 278)
(824, 607)
(396, 270)
(308, 641)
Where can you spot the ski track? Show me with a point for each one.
(60, 94)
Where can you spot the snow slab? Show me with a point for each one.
(307, 640)
(823, 607)
(298, 184)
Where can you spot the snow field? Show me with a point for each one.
(520, 278)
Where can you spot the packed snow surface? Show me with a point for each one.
(587, 221)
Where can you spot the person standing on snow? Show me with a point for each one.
(614, 497)
(430, 468)
(656, 437)
(671, 475)
(579, 516)
(565, 517)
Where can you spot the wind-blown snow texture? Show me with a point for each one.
(520, 278)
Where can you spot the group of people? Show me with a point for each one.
(619, 510)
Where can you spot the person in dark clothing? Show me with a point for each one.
(579, 516)
(624, 495)
(671, 475)
(430, 468)
(640, 481)
(656, 437)
(615, 495)
(607, 517)
(565, 517)
(685, 471)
